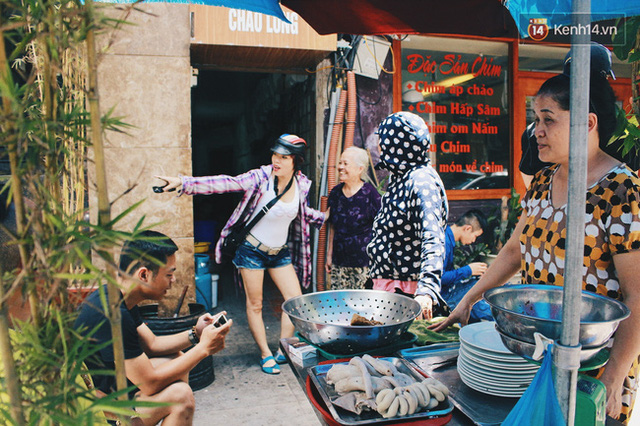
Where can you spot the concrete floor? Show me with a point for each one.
(241, 393)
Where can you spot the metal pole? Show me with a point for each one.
(567, 353)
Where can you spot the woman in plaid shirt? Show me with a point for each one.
(280, 242)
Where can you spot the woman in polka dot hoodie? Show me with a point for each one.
(407, 248)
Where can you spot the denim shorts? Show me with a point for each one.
(249, 257)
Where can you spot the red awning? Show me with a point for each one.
(488, 18)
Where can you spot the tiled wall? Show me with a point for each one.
(145, 73)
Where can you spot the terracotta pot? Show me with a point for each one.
(488, 258)
(78, 294)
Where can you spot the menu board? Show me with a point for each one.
(463, 97)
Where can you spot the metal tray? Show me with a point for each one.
(439, 362)
(327, 392)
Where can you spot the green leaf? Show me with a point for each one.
(124, 213)
(633, 131)
(635, 56)
(625, 37)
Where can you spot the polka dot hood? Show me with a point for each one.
(404, 142)
(408, 232)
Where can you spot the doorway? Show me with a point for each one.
(235, 118)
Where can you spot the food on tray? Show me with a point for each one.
(381, 366)
(406, 400)
(356, 402)
(342, 371)
(374, 384)
(366, 377)
(360, 320)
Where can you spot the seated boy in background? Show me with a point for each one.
(457, 281)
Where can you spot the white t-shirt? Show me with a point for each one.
(272, 230)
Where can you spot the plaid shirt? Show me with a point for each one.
(299, 239)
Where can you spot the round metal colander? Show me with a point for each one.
(324, 318)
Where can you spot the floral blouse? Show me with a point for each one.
(352, 220)
(612, 226)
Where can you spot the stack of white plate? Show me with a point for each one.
(486, 365)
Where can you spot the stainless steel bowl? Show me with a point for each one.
(324, 318)
(526, 349)
(521, 310)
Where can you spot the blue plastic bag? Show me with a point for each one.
(538, 406)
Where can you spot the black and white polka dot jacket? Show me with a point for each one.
(408, 233)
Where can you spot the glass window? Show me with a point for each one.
(538, 57)
(459, 87)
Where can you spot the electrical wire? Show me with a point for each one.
(379, 95)
(310, 71)
(375, 58)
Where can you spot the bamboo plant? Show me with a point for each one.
(50, 117)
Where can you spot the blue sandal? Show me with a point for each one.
(280, 358)
(274, 369)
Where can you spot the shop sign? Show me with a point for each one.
(462, 96)
(237, 27)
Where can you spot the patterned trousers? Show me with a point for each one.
(348, 277)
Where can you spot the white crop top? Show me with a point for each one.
(272, 230)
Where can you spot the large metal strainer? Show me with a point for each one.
(324, 318)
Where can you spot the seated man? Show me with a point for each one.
(457, 281)
(155, 364)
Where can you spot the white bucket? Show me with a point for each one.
(214, 290)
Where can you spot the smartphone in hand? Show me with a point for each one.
(160, 189)
(220, 321)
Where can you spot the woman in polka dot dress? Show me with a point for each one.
(612, 229)
(407, 247)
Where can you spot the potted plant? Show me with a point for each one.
(501, 224)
